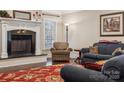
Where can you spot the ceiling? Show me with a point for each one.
(60, 12)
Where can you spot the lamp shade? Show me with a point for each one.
(66, 24)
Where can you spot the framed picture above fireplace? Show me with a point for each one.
(112, 24)
(21, 15)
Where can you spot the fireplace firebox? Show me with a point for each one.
(21, 43)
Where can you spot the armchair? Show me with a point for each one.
(60, 51)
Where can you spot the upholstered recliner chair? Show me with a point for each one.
(60, 51)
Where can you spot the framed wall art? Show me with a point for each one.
(112, 24)
(21, 15)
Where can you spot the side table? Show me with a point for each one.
(77, 60)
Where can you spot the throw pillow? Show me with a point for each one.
(101, 62)
(93, 50)
(116, 50)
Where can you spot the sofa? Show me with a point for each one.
(105, 50)
(60, 51)
(112, 71)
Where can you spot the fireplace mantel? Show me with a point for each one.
(19, 22)
(9, 24)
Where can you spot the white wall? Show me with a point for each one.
(84, 28)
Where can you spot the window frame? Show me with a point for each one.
(49, 19)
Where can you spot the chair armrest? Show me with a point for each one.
(119, 53)
(85, 50)
(52, 49)
(70, 49)
(72, 73)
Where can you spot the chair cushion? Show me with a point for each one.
(90, 55)
(62, 52)
(103, 57)
(114, 68)
(97, 56)
(60, 45)
(108, 49)
(102, 48)
(111, 48)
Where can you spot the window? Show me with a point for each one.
(50, 33)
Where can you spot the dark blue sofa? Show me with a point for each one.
(112, 71)
(105, 52)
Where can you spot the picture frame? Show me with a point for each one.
(21, 15)
(112, 24)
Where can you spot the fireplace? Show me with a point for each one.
(20, 37)
(21, 43)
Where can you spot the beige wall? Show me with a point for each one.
(60, 31)
(84, 28)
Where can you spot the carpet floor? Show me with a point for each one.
(39, 74)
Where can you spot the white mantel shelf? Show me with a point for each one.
(20, 20)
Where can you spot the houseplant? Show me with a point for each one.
(4, 13)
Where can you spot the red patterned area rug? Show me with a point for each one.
(40, 74)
